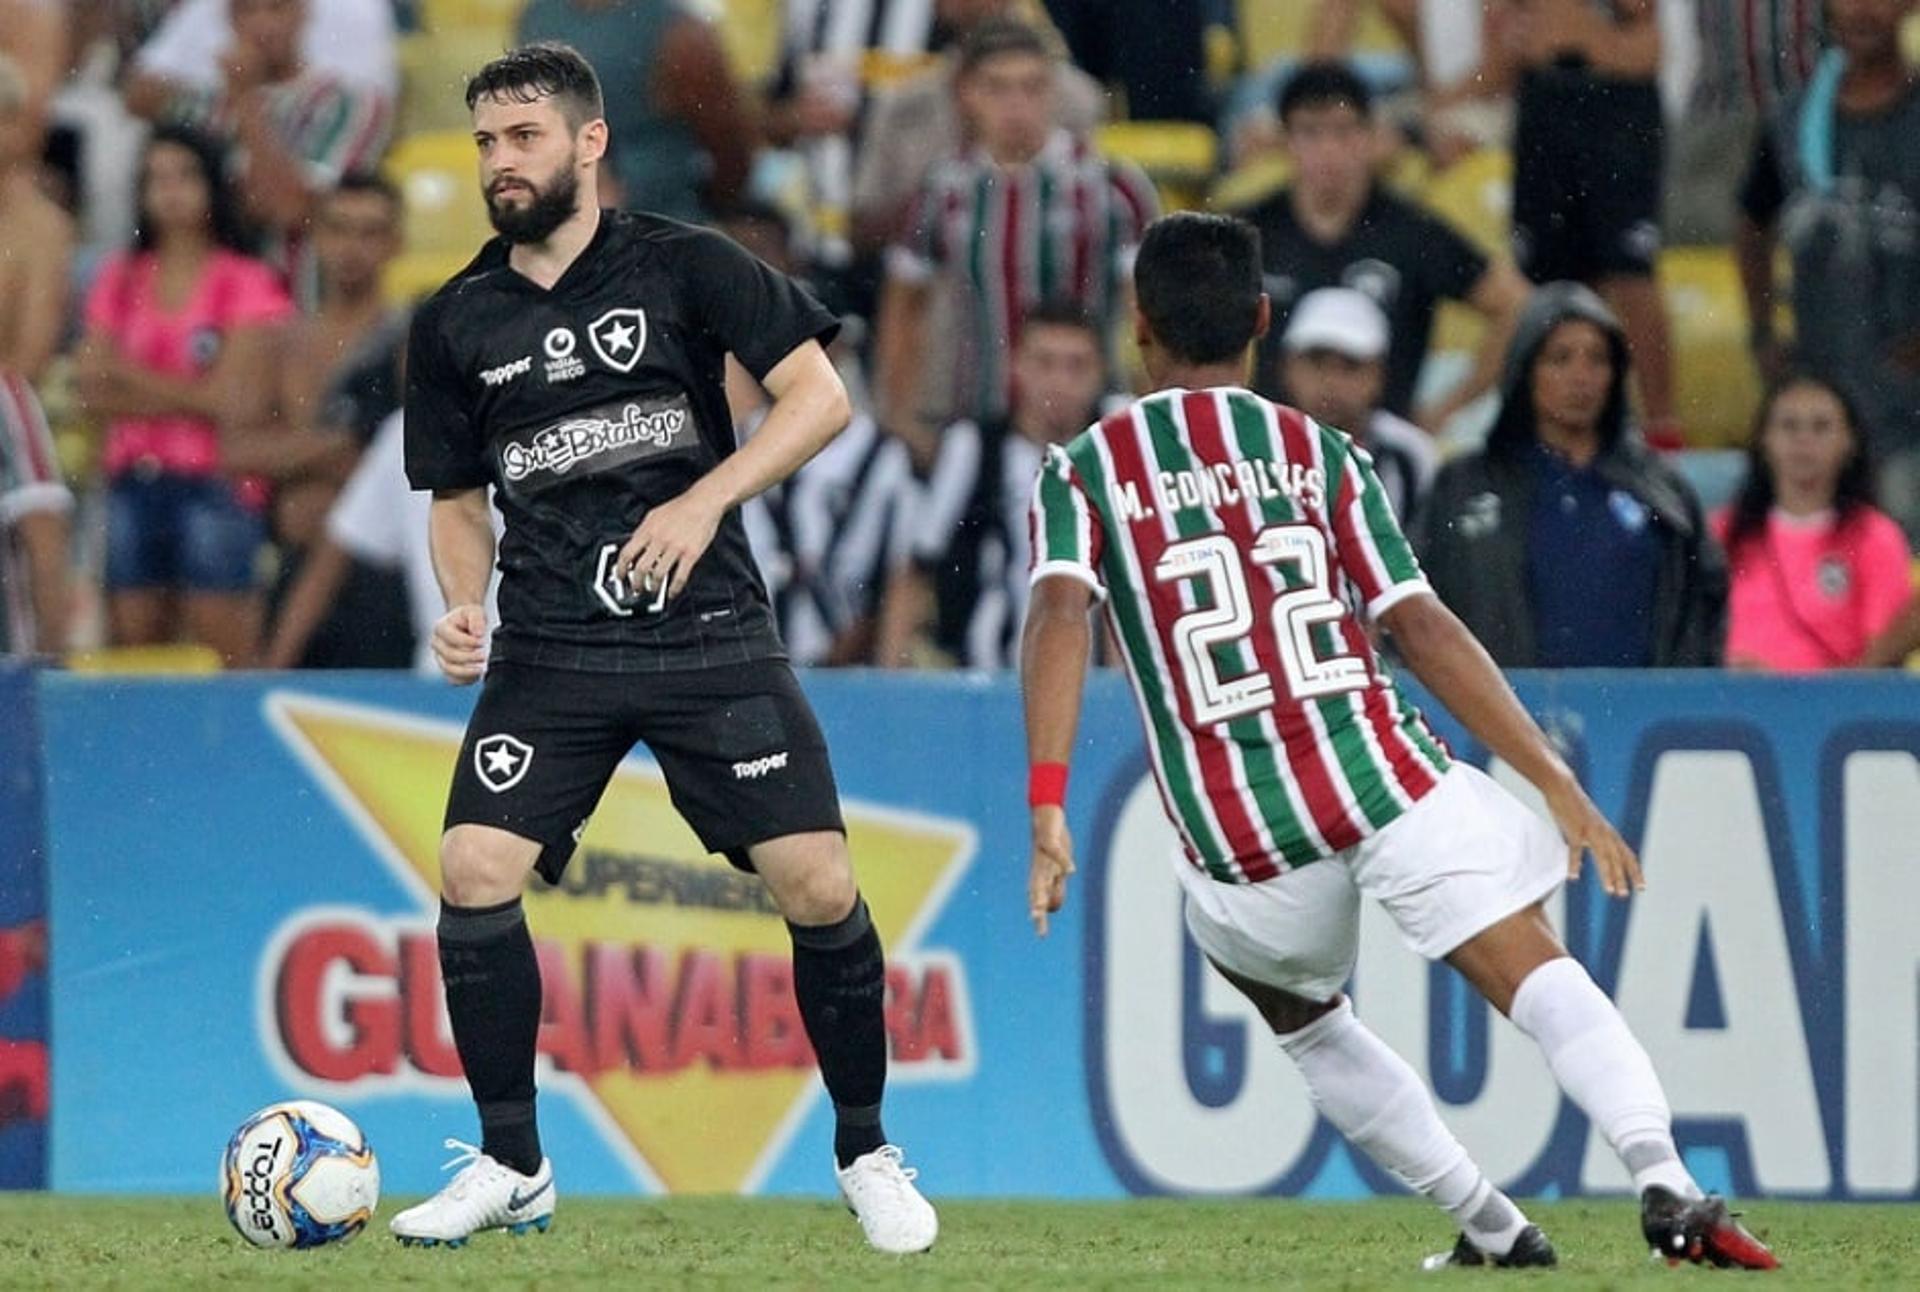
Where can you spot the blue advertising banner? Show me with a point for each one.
(243, 898)
(24, 1081)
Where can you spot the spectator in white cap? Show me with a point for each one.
(1335, 370)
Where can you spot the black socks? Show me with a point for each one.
(493, 1000)
(840, 982)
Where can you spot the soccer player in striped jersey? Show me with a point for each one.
(1242, 551)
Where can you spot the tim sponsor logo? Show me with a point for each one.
(506, 372)
(754, 768)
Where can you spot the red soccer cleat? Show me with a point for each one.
(1700, 1230)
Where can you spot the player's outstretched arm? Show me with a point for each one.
(810, 407)
(1453, 665)
(460, 538)
(1054, 648)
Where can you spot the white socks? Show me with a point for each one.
(1602, 1068)
(1373, 1098)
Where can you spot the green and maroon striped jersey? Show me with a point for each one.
(1063, 228)
(1240, 548)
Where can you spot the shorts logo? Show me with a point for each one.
(618, 337)
(562, 363)
(501, 761)
(754, 768)
(506, 372)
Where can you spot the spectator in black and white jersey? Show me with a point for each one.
(833, 55)
(1336, 370)
(1335, 225)
(961, 596)
(826, 537)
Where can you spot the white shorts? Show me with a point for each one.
(1460, 860)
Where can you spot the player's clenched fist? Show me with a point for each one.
(1052, 863)
(460, 644)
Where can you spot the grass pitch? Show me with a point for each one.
(58, 1242)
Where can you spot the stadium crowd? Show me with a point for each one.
(1623, 296)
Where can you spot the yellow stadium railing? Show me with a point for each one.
(176, 657)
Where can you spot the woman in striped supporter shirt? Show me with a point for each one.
(1820, 575)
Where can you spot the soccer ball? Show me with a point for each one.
(299, 1174)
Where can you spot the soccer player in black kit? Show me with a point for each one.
(575, 367)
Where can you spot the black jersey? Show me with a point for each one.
(585, 405)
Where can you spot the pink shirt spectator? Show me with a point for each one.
(233, 292)
(1807, 595)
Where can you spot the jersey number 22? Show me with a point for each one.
(1215, 560)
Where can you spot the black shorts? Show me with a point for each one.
(1587, 175)
(743, 756)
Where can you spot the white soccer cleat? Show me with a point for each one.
(879, 1191)
(486, 1194)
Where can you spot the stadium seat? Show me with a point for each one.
(1475, 196)
(1247, 186)
(750, 29)
(434, 68)
(444, 16)
(177, 657)
(1715, 474)
(1178, 156)
(1716, 389)
(445, 219)
(1271, 29)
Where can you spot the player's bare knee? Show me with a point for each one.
(1283, 1011)
(1288, 1013)
(824, 894)
(480, 867)
(819, 890)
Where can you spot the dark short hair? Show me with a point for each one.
(542, 70)
(224, 218)
(1056, 312)
(370, 184)
(998, 36)
(1197, 278)
(1325, 84)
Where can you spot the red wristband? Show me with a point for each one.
(1047, 785)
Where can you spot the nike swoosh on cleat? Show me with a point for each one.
(515, 1201)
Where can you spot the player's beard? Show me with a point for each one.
(546, 210)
